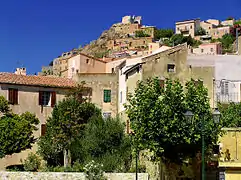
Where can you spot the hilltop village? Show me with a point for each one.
(207, 51)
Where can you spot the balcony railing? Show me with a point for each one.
(227, 98)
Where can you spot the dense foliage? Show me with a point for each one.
(180, 39)
(163, 33)
(65, 125)
(158, 120)
(200, 32)
(141, 33)
(105, 142)
(231, 114)
(16, 131)
(77, 126)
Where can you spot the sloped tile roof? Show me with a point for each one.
(33, 80)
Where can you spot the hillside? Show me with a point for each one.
(98, 48)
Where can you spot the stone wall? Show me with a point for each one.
(66, 176)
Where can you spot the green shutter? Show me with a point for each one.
(107, 96)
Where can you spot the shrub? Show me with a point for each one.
(93, 171)
(32, 163)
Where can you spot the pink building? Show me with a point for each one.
(209, 49)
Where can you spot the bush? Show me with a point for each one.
(93, 171)
(32, 163)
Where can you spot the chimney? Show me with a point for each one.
(21, 71)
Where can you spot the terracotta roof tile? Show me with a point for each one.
(31, 80)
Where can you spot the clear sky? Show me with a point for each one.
(33, 32)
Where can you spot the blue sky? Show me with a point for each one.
(33, 32)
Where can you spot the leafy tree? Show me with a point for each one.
(64, 127)
(227, 41)
(141, 33)
(200, 31)
(163, 33)
(158, 121)
(105, 142)
(16, 131)
(231, 114)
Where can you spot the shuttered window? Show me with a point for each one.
(13, 96)
(47, 98)
(107, 96)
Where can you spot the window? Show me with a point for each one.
(43, 129)
(202, 50)
(107, 96)
(87, 61)
(106, 115)
(144, 42)
(13, 96)
(211, 49)
(121, 97)
(112, 70)
(224, 88)
(170, 68)
(190, 27)
(47, 98)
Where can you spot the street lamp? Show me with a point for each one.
(216, 116)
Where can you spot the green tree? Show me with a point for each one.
(163, 33)
(227, 42)
(63, 128)
(231, 114)
(105, 142)
(158, 121)
(200, 31)
(16, 131)
(141, 33)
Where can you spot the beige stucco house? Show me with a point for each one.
(187, 27)
(104, 88)
(83, 63)
(35, 94)
(208, 49)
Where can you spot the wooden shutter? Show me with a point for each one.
(10, 96)
(109, 95)
(53, 99)
(15, 96)
(40, 98)
(43, 129)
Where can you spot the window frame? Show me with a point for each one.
(169, 67)
(107, 95)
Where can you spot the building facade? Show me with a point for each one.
(35, 94)
(83, 63)
(104, 88)
(208, 49)
(187, 27)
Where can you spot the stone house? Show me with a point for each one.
(104, 91)
(35, 94)
(129, 43)
(172, 64)
(83, 63)
(187, 27)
